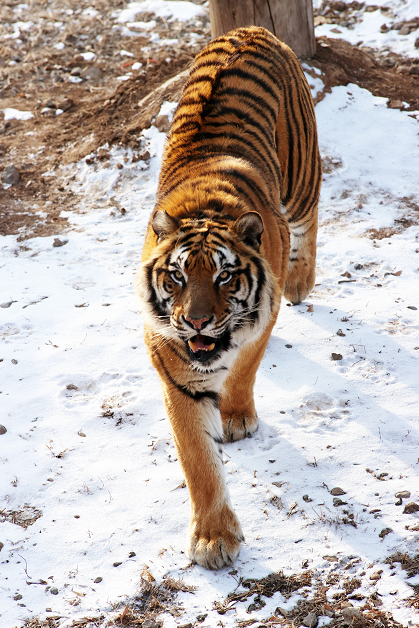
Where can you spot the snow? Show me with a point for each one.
(16, 114)
(175, 9)
(367, 29)
(88, 444)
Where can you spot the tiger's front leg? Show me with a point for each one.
(302, 261)
(215, 533)
(237, 405)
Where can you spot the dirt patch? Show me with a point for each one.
(24, 517)
(39, 65)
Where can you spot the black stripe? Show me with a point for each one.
(197, 396)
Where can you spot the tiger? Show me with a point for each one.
(233, 230)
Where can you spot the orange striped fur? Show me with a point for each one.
(234, 228)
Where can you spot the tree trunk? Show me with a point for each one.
(289, 20)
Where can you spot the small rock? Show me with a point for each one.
(411, 307)
(349, 614)
(403, 495)
(310, 620)
(358, 266)
(76, 71)
(384, 28)
(7, 304)
(384, 532)
(48, 610)
(307, 499)
(50, 104)
(338, 502)
(417, 43)
(338, 6)
(1, 546)
(117, 564)
(92, 73)
(58, 242)
(376, 575)
(395, 104)
(337, 356)
(10, 175)
(399, 502)
(14, 361)
(281, 611)
(288, 346)
(410, 508)
(340, 333)
(2, 430)
(66, 104)
(18, 597)
(200, 617)
(337, 491)
(162, 123)
(331, 559)
(54, 591)
(132, 554)
(97, 580)
(71, 387)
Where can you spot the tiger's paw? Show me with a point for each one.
(238, 425)
(300, 282)
(214, 544)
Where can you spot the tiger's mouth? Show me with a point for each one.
(203, 348)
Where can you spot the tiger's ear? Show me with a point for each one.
(249, 228)
(163, 224)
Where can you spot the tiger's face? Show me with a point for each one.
(207, 286)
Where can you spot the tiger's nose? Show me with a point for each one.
(197, 323)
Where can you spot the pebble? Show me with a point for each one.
(403, 495)
(97, 580)
(340, 333)
(399, 502)
(58, 242)
(92, 73)
(310, 620)
(3, 430)
(1, 546)
(66, 104)
(131, 555)
(14, 361)
(337, 356)
(7, 304)
(10, 175)
(417, 43)
(288, 346)
(18, 597)
(384, 532)
(331, 559)
(54, 591)
(337, 491)
(410, 508)
(75, 71)
(349, 614)
(376, 575)
(338, 502)
(50, 104)
(307, 499)
(117, 564)
(162, 123)
(200, 617)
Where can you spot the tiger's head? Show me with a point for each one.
(206, 284)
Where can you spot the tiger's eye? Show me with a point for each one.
(224, 275)
(177, 275)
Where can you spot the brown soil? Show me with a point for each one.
(106, 110)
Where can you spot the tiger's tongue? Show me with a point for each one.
(198, 344)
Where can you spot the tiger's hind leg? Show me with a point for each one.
(302, 261)
(237, 405)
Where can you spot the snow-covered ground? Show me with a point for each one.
(88, 452)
